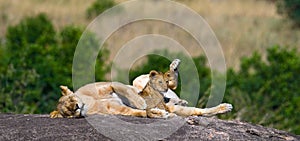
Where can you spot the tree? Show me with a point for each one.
(37, 61)
(267, 92)
(98, 7)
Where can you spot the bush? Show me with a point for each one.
(270, 89)
(37, 29)
(98, 7)
(29, 63)
(290, 9)
(36, 63)
(262, 92)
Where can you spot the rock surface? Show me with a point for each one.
(41, 127)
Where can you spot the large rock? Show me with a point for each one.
(41, 127)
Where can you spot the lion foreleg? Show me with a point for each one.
(55, 114)
(117, 109)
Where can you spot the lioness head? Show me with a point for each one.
(158, 81)
(69, 105)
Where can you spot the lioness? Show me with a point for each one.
(104, 98)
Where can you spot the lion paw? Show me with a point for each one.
(174, 65)
(224, 108)
(181, 102)
(159, 113)
(55, 114)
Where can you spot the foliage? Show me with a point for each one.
(21, 81)
(98, 7)
(267, 91)
(263, 91)
(290, 9)
(35, 63)
(23, 33)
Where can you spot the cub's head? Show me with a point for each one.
(158, 81)
(172, 74)
(69, 105)
(172, 78)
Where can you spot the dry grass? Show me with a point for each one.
(241, 26)
(61, 12)
(245, 26)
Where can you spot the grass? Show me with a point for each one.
(241, 26)
(61, 12)
(246, 26)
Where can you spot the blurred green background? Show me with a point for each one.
(260, 40)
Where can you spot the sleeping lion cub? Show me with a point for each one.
(108, 98)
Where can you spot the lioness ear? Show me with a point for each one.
(65, 90)
(153, 73)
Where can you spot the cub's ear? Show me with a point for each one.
(153, 73)
(65, 90)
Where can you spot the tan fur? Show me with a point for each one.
(69, 105)
(190, 111)
(153, 94)
(101, 98)
(172, 75)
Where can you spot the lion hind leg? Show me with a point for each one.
(189, 111)
(220, 109)
(130, 94)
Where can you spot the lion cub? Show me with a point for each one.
(153, 95)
